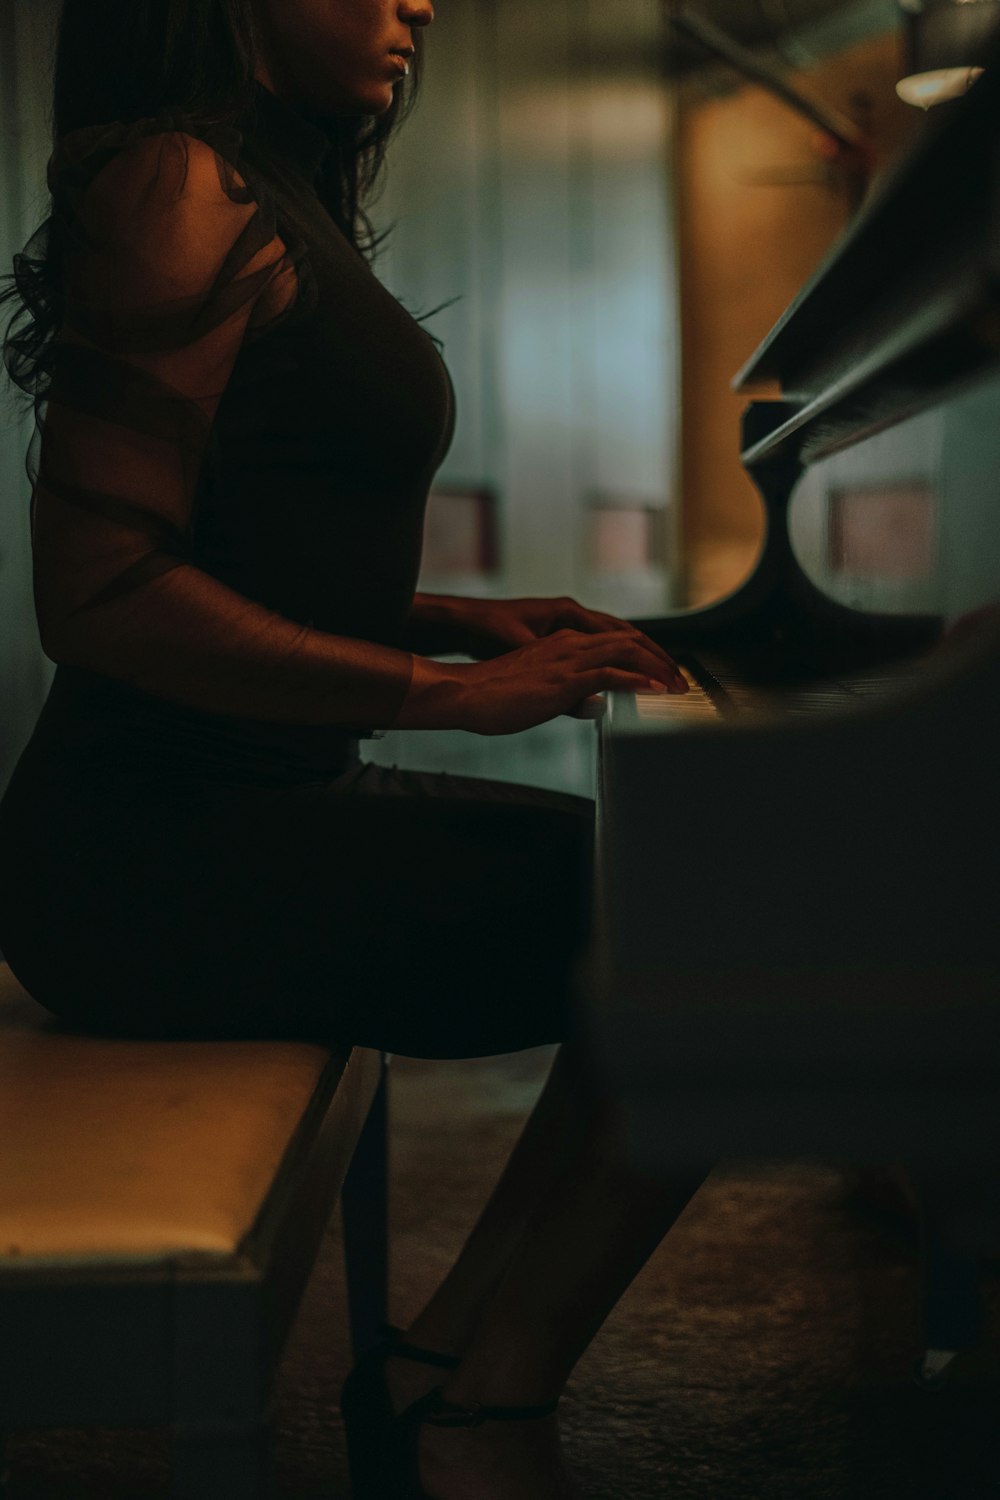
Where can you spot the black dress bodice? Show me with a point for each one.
(262, 421)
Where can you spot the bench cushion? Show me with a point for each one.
(118, 1151)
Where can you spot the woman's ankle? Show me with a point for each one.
(448, 1324)
(406, 1380)
(473, 1384)
(437, 1337)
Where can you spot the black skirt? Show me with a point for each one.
(424, 914)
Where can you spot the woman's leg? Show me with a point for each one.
(584, 1240)
(448, 1320)
(564, 1233)
(450, 1316)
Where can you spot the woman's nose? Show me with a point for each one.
(416, 12)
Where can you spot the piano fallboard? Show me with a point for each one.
(797, 942)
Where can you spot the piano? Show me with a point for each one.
(796, 947)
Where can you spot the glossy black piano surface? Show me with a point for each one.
(797, 941)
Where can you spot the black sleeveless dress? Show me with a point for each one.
(229, 490)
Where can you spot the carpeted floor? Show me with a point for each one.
(763, 1352)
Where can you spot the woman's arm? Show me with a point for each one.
(439, 625)
(166, 271)
(443, 624)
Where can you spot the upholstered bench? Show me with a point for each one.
(161, 1207)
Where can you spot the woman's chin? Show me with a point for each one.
(381, 99)
(374, 102)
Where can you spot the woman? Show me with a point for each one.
(239, 433)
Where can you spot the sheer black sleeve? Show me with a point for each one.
(170, 266)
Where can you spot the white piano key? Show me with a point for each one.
(678, 709)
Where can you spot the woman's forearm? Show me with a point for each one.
(439, 625)
(187, 637)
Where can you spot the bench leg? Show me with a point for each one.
(222, 1462)
(365, 1204)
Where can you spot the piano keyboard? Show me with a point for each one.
(718, 692)
(677, 710)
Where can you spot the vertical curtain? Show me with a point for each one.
(27, 29)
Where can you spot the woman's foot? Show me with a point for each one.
(497, 1461)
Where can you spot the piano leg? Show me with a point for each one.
(953, 1311)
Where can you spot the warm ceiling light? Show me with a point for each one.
(947, 42)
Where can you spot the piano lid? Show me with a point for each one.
(932, 223)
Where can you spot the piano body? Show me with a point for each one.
(797, 920)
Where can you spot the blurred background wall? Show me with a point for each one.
(621, 219)
(535, 184)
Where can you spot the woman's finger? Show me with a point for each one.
(630, 650)
(591, 622)
(616, 680)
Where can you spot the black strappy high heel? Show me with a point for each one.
(401, 1474)
(366, 1409)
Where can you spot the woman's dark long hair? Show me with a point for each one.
(128, 60)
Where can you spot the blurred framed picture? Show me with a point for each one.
(883, 531)
(460, 532)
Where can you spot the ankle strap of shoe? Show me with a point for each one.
(398, 1349)
(433, 1408)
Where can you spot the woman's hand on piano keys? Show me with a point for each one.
(555, 674)
(493, 626)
